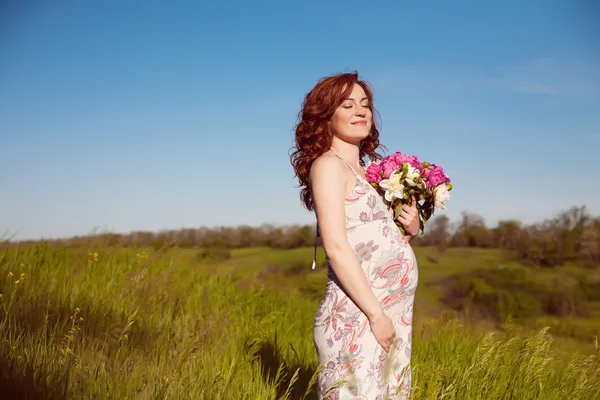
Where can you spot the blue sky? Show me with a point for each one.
(131, 115)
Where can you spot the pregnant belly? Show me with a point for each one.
(385, 256)
(394, 269)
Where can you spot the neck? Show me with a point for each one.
(349, 151)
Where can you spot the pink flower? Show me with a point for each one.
(426, 172)
(374, 173)
(389, 166)
(364, 217)
(364, 251)
(400, 158)
(437, 176)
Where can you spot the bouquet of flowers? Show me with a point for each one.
(399, 176)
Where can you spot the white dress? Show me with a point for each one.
(350, 357)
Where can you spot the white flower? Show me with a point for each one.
(393, 187)
(441, 195)
(412, 174)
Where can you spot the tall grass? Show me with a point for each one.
(120, 324)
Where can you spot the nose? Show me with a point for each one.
(361, 111)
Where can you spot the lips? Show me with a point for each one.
(362, 123)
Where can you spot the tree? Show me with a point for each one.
(438, 234)
(508, 234)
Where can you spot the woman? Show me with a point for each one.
(363, 327)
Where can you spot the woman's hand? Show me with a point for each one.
(383, 330)
(409, 218)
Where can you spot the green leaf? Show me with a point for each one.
(397, 209)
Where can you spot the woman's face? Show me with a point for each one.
(352, 120)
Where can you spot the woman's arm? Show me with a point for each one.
(328, 184)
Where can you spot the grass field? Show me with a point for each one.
(115, 323)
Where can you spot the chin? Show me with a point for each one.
(359, 133)
(355, 139)
(362, 135)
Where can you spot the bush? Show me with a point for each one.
(589, 289)
(502, 293)
(213, 254)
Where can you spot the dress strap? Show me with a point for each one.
(345, 162)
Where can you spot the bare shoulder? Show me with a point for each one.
(328, 183)
(326, 167)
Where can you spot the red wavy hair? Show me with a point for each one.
(313, 137)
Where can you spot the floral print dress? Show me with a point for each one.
(353, 365)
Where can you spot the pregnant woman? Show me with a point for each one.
(363, 326)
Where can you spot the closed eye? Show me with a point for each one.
(347, 107)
